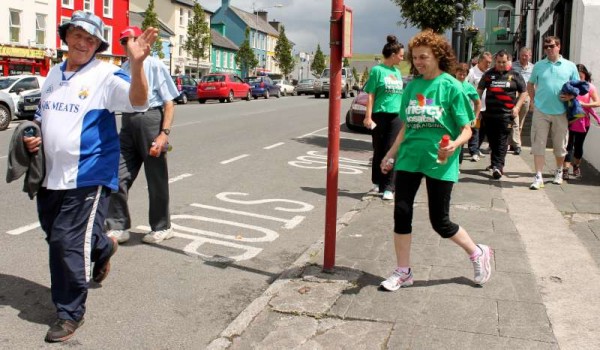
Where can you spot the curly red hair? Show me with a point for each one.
(441, 48)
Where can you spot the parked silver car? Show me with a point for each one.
(7, 110)
(305, 86)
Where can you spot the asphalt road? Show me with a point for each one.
(247, 198)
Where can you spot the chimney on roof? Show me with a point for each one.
(261, 13)
(275, 24)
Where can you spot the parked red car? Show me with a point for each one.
(356, 113)
(223, 87)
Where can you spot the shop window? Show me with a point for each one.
(15, 25)
(40, 29)
(107, 8)
(88, 6)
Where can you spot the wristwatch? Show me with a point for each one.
(166, 131)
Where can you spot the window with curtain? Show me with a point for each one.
(15, 25)
(40, 29)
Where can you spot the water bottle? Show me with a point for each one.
(389, 165)
(443, 143)
(29, 131)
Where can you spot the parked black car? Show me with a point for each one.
(28, 104)
(187, 86)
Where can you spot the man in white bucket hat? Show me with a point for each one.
(81, 150)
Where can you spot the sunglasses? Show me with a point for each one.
(551, 46)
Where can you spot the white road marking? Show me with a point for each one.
(268, 235)
(311, 133)
(196, 242)
(234, 159)
(289, 223)
(304, 207)
(314, 160)
(180, 177)
(23, 229)
(275, 145)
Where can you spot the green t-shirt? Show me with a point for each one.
(470, 91)
(430, 109)
(386, 84)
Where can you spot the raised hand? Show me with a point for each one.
(139, 49)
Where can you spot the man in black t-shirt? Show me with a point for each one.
(505, 94)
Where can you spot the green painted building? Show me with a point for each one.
(223, 53)
(500, 25)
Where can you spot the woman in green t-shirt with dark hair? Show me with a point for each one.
(384, 87)
(433, 104)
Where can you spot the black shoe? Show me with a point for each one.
(517, 151)
(102, 267)
(496, 173)
(62, 330)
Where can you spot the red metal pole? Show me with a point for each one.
(333, 144)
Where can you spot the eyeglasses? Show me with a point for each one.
(551, 46)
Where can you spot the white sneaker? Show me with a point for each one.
(398, 280)
(558, 177)
(482, 265)
(122, 236)
(388, 195)
(158, 236)
(538, 183)
(475, 158)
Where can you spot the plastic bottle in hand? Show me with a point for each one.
(443, 143)
(389, 165)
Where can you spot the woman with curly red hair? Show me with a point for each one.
(433, 105)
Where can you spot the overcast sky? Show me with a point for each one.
(307, 21)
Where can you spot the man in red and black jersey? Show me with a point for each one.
(505, 94)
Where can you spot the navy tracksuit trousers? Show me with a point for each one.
(73, 221)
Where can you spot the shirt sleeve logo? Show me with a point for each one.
(83, 93)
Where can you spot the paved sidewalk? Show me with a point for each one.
(543, 293)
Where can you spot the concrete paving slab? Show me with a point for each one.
(525, 321)
(427, 338)
(307, 298)
(461, 313)
(511, 261)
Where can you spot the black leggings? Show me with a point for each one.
(575, 145)
(384, 135)
(438, 196)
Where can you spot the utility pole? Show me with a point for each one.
(333, 143)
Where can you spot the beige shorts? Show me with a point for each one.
(541, 124)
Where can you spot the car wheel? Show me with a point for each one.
(345, 93)
(255, 97)
(266, 94)
(278, 94)
(201, 101)
(348, 124)
(248, 96)
(5, 117)
(222, 100)
(184, 99)
(317, 95)
(230, 98)
(294, 93)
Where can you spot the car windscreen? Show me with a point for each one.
(254, 80)
(6, 82)
(306, 81)
(212, 79)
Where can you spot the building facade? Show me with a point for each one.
(223, 53)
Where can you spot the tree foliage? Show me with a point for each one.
(151, 20)
(245, 57)
(364, 77)
(198, 35)
(355, 73)
(438, 15)
(283, 53)
(478, 45)
(318, 63)
(346, 62)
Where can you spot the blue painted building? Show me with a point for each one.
(263, 36)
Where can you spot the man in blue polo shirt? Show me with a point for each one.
(549, 113)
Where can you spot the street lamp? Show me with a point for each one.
(256, 11)
(457, 31)
(171, 46)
